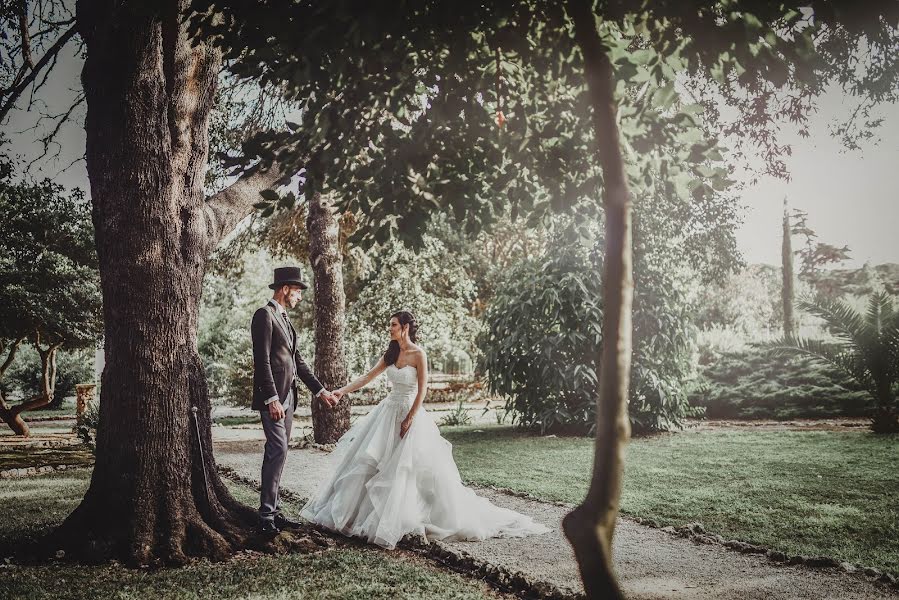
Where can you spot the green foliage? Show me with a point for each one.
(755, 384)
(73, 367)
(49, 279)
(457, 416)
(867, 350)
(747, 303)
(224, 342)
(429, 283)
(543, 337)
(86, 427)
(402, 125)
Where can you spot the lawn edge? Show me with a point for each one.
(458, 561)
(696, 532)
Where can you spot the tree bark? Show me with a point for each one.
(787, 294)
(591, 526)
(12, 419)
(12, 415)
(330, 308)
(155, 496)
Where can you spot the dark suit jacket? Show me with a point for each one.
(276, 362)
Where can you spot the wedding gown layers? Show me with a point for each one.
(384, 487)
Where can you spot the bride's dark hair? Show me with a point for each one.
(393, 349)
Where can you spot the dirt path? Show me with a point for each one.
(651, 563)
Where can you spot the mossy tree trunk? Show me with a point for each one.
(155, 496)
(328, 424)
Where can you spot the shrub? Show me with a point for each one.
(544, 331)
(866, 348)
(756, 384)
(86, 428)
(72, 367)
(457, 416)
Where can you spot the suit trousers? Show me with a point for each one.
(277, 436)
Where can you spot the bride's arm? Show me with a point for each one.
(364, 380)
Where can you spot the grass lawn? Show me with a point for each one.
(238, 420)
(66, 409)
(813, 493)
(32, 506)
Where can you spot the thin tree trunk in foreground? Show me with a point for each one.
(155, 496)
(788, 278)
(590, 527)
(329, 305)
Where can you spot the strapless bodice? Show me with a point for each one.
(403, 383)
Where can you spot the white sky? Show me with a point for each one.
(851, 197)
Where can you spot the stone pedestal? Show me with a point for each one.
(84, 397)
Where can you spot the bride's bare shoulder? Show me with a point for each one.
(418, 355)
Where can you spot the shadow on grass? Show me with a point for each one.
(31, 507)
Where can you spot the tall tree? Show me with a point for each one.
(49, 284)
(786, 290)
(328, 424)
(155, 495)
(408, 94)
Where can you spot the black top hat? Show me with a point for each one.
(288, 276)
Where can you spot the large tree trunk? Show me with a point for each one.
(591, 526)
(786, 256)
(155, 496)
(330, 304)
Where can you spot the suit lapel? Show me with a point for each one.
(276, 314)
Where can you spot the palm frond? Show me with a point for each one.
(837, 355)
(841, 319)
(880, 311)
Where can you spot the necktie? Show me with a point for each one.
(289, 327)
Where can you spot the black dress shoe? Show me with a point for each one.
(267, 528)
(282, 522)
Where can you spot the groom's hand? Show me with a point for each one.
(327, 398)
(276, 411)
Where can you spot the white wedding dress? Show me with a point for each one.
(384, 487)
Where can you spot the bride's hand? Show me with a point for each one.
(406, 424)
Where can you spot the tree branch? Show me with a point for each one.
(26, 37)
(227, 208)
(11, 356)
(13, 93)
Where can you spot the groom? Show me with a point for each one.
(277, 365)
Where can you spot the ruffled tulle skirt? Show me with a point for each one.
(383, 487)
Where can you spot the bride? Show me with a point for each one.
(395, 475)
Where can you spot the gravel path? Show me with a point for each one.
(650, 563)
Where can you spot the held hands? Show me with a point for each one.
(329, 398)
